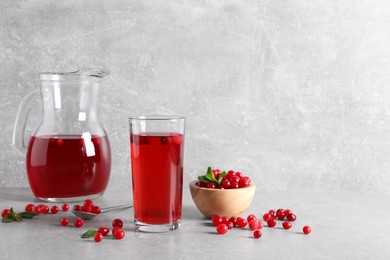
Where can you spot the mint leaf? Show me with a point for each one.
(8, 218)
(88, 234)
(221, 175)
(27, 214)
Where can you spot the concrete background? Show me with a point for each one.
(293, 93)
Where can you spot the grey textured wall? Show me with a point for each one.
(293, 93)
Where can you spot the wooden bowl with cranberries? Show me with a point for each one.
(222, 193)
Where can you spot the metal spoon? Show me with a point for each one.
(89, 215)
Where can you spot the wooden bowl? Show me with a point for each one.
(223, 202)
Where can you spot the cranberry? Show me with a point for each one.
(244, 182)
(210, 185)
(271, 222)
(54, 210)
(222, 229)
(260, 225)
(164, 140)
(233, 220)
(225, 220)
(29, 207)
(230, 225)
(266, 216)
(216, 172)
(291, 217)
(286, 212)
(257, 234)
(280, 215)
(65, 207)
(234, 178)
(96, 209)
(5, 212)
(306, 230)
(78, 222)
(253, 225)
(201, 184)
(239, 174)
(251, 217)
(117, 223)
(88, 203)
(38, 210)
(45, 209)
(286, 225)
(241, 222)
(119, 234)
(98, 237)
(104, 231)
(272, 213)
(225, 183)
(64, 222)
(216, 219)
(114, 230)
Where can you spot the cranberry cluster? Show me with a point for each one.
(223, 224)
(101, 232)
(88, 206)
(224, 180)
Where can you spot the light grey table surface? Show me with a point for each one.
(344, 226)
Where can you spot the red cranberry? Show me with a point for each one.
(234, 178)
(241, 222)
(54, 210)
(225, 220)
(306, 230)
(225, 183)
(29, 207)
(239, 174)
(260, 225)
(88, 203)
(216, 172)
(78, 222)
(104, 231)
(251, 217)
(230, 225)
(280, 215)
(64, 222)
(96, 209)
(233, 220)
(271, 222)
(38, 210)
(86, 208)
(257, 234)
(286, 225)
(234, 185)
(253, 225)
(65, 207)
(117, 223)
(5, 212)
(98, 237)
(291, 217)
(286, 212)
(114, 230)
(77, 207)
(222, 229)
(272, 213)
(210, 185)
(216, 219)
(266, 216)
(119, 234)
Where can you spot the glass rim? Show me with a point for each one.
(157, 117)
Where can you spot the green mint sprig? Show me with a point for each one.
(88, 234)
(13, 216)
(210, 177)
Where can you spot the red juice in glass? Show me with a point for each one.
(68, 166)
(157, 175)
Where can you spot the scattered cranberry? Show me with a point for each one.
(230, 225)
(65, 207)
(251, 217)
(280, 215)
(54, 209)
(233, 220)
(271, 222)
(29, 207)
(78, 222)
(306, 230)
(104, 231)
(98, 237)
(114, 230)
(64, 222)
(260, 225)
(253, 225)
(38, 210)
(286, 225)
(272, 213)
(257, 234)
(241, 222)
(291, 217)
(216, 219)
(266, 216)
(117, 223)
(222, 229)
(45, 209)
(86, 208)
(119, 234)
(77, 208)
(5, 212)
(286, 212)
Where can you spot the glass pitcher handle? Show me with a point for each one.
(21, 120)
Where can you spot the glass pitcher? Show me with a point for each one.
(68, 155)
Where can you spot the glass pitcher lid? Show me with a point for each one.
(83, 73)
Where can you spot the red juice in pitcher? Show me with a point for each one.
(157, 172)
(68, 166)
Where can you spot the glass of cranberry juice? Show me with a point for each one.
(156, 146)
